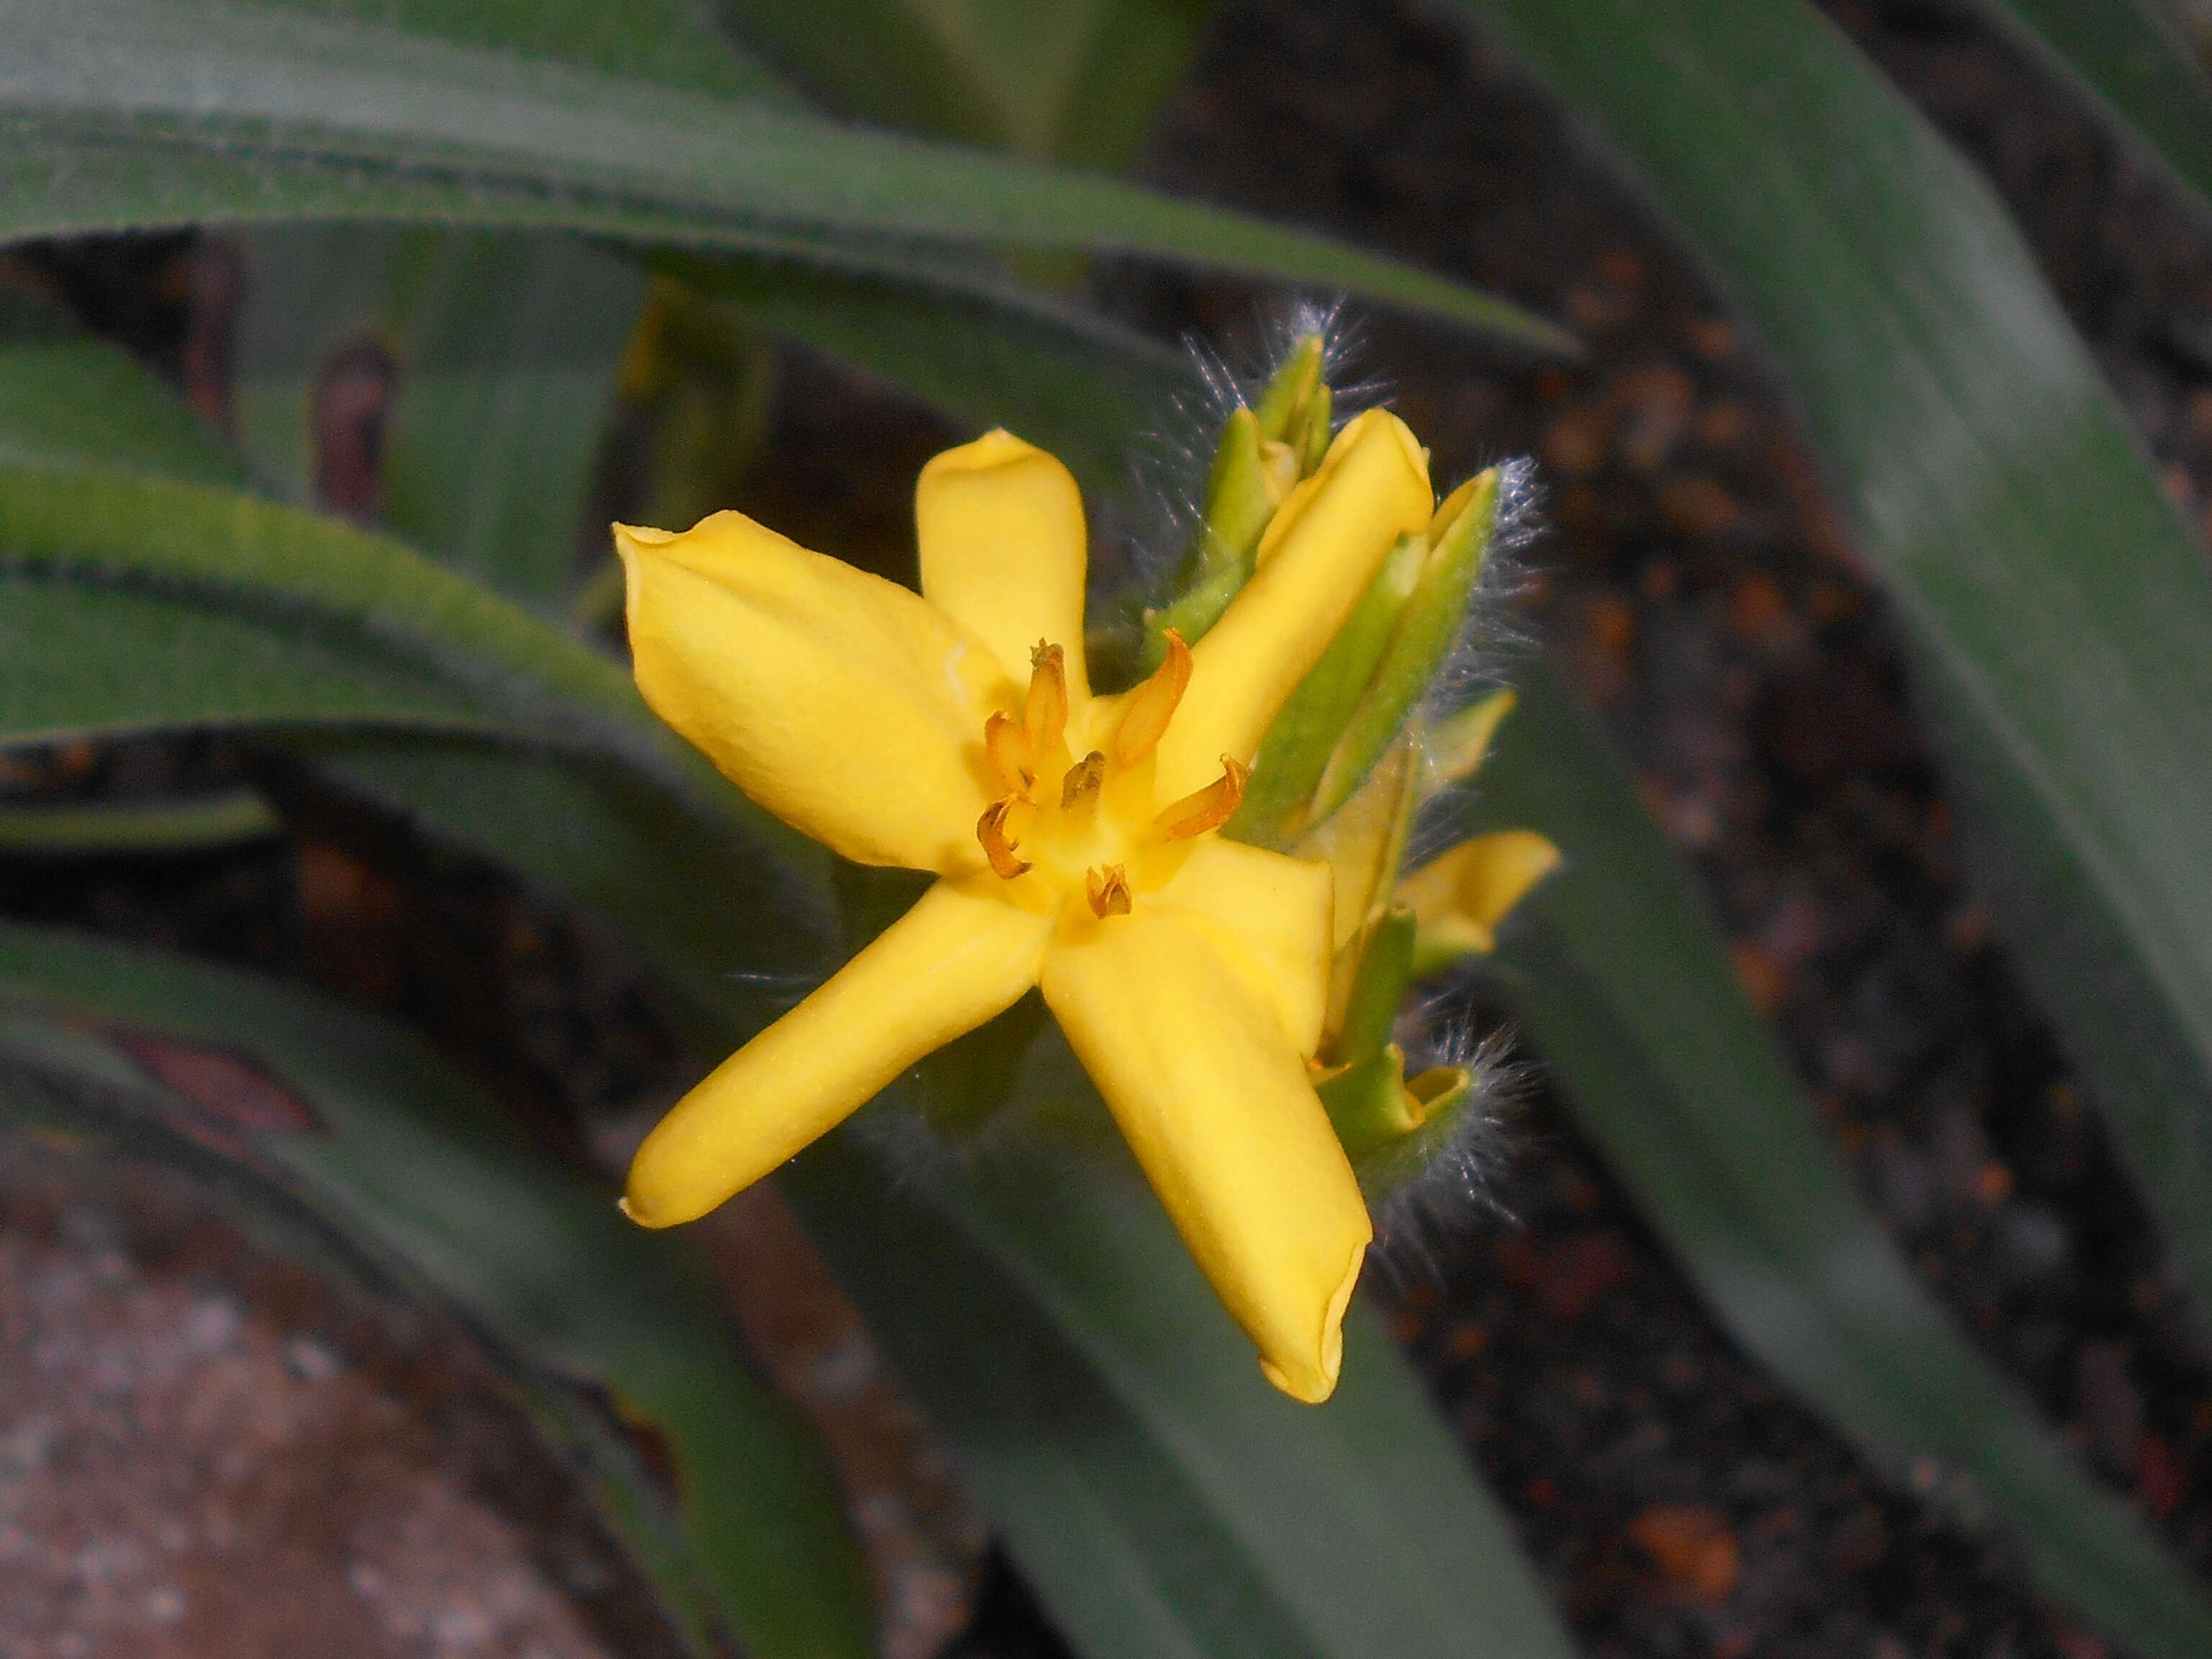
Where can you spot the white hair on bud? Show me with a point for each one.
(1493, 631)
(1444, 1180)
(1159, 521)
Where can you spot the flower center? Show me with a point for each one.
(1085, 823)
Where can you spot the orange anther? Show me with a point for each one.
(1206, 809)
(1008, 746)
(1082, 782)
(1108, 890)
(1153, 705)
(993, 831)
(1044, 716)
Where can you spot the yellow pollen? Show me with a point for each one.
(1044, 715)
(1008, 746)
(999, 838)
(1081, 785)
(1206, 809)
(1153, 705)
(1108, 890)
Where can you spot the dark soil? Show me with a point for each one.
(1675, 1500)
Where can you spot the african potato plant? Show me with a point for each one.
(1115, 888)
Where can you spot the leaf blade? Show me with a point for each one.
(140, 112)
(2059, 614)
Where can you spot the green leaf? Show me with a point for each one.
(134, 113)
(1077, 79)
(108, 827)
(66, 400)
(1164, 1499)
(665, 40)
(421, 1173)
(2059, 614)
(1066, 380)
(105, 478)
(503, 351)
(89, 523)
(1627, 989)
(248, 613)
(82, 660)
(2128, 56)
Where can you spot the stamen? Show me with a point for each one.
(993, 831)
(1044, 716)
(1080, 785)
(1152, 704)
(1008, 746)
(1206, 809)
(1108, 890)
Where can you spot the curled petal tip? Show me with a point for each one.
(1311, 1379)
(642, 1214)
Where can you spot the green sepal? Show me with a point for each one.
(1434, 1106)
(1313, 444)
(1367, 1104)
(1428, 624)
(1286, 408)
(1264, 450)
(1295, 753)
(1378, 986)
(1459, 742)
(1243, 491)
(1431, 956)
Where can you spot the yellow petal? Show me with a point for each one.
(1216, 1105)
(1268, 915)
(1459, 897)
(961, 955)
(1322, 549)
(1458, 745)
(1002, 546)
(850, 708)
(1365, 838)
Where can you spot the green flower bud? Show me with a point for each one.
(1425, 1119)
(1308, 732)
(1250, 476)
(1429, 621)
(1286, 408)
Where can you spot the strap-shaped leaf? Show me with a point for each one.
(145, 112)
(2130, 56)
(1078, 80)
(1627, 991)
(2060, 616)
(217, 819)
(1067, 380)
(417, 1172)
(140, 597)
(1162, 1498)
(82, 659)
(671, 41)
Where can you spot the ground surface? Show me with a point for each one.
(1675, 1500)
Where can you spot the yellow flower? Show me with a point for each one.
(1074, 836)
